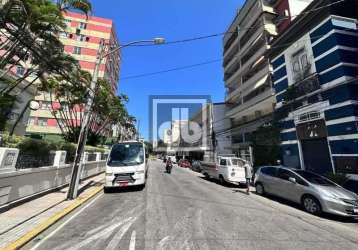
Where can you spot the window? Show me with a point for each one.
(20, 71)
(77, 50)
(31, 121)
(285, 174)
(223, 162)
(81, 38)
(42, 122)
(63, 34)
(315, 178)
(83, 25)
(270, 171)
(300, 65)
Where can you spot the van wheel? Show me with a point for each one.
(222, 180)
(311, 205)
(206, 175)
(260, 189)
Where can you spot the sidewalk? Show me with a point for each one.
(20, 222)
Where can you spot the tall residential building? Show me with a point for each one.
(81, 40)
(249, 95)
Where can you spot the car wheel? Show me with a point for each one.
(311, 205)
(260, 189)
(206, 175)
(105, 190)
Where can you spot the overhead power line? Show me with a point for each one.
(172, 69)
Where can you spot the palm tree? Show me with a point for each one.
(80, 5)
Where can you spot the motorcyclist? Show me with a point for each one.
(169, 164)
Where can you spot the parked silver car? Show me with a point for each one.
(314, 192)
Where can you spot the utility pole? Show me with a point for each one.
(77, 164)
(101, 54)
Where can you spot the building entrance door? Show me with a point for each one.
(316, 155)
(313, 137)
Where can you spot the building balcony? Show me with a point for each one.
(232, 72)
(229, 43)
(261, 101)
(230, 60)
(233, 46)
(246, 65)
(302, 88)
(249, 123)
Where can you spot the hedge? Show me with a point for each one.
(39, 150)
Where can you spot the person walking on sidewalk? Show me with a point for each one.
(248, 176)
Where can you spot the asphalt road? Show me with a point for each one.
(185, 211)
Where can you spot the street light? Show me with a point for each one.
(101, 54)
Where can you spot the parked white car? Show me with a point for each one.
(225, 169)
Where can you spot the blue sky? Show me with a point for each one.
(173, 20)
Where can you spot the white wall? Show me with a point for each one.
(24, 183)
(220, 124)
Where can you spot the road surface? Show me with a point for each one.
(185, 211)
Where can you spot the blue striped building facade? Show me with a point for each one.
(329, 102)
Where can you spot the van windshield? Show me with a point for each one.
(237, 162)
(126, 154)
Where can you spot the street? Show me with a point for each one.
(185, 211)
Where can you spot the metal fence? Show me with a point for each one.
(32, 161)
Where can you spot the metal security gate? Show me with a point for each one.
(316, 155)
(314, 144)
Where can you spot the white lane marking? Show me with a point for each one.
(99, 228)
(67, 221)
(101, 234)
(113, 244)
(132, 241)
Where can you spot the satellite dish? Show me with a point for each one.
(34, 105)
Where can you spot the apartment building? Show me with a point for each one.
(217, 139)
(81, 40)
(249, 95)
(315, 71)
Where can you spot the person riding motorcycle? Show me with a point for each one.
(168, 165)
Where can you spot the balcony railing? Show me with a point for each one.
(230, 40)
(302, 88)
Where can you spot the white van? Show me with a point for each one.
(225, 169)
(126, 165)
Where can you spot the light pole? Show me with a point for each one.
(101, 54)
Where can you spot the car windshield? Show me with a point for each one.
(126, 154)
(314, 178)
(237, 162)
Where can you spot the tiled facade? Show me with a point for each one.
(315, 80)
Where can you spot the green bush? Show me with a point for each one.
(35, 147)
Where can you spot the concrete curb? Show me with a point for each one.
(20, 242)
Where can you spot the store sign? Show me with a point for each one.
(311, 130)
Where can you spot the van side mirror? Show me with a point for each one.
(292, 179)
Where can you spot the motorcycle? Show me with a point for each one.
(168, 167)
